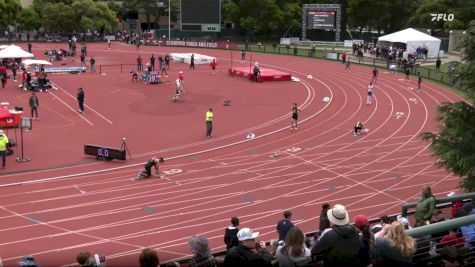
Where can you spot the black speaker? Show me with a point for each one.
(18, 108)
(227, 102)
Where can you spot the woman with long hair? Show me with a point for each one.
(393, 247)
(293, 252)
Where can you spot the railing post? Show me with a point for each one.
(100, 69)
(428, 75)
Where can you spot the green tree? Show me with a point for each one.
(463, 11)
(9, 11)
(29, 20)
(80, 16)
(148, 7)
(454, 143)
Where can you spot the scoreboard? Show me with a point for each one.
(321, 20)
(201, 15)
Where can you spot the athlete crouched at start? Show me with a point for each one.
(147, 173)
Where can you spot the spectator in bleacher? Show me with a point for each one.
(404, 221)
(248, 253)
(393, 247)
(383, 220)
(426, 206)
(28, 261)
(340, 246)
(293, 253)
(468, 232)
(324, 222)
(455, 239)
(366, 251)
(230, 234)
(202, 257)
(85, 260)
(423, 245)
(148, 258)
(284, 225)
(456, 205)
(437, 216)
(467, 208)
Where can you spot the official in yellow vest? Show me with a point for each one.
(3, 148)
(209, 122)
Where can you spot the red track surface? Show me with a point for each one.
(48, 210)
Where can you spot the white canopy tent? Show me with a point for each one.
(14, 51)
(3, 46)
(412, 39)
(35, 62)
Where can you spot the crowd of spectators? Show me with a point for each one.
(338, 242)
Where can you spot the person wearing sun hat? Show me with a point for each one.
(340, 246)
(248, 253)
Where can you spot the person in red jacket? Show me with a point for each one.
(213, 65)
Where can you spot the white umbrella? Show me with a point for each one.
(14, 51)
(28, 62)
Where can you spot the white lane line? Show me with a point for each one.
(75, 111)
(93, 110)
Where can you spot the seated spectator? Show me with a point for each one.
(423, 245)
(456, 205)
(340, 246)
(324, 222)
(293, 253)
(393, 247)
(248, 253)
(201, 252)
(366, 250)
(28, 261)
(454, 239)
(84, 259)
(437, 216)
(404, 221)
(230, 233)
(425, 207)
(468, 232)
(383, 220)
(148, 258)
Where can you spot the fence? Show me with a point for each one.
(322, 51)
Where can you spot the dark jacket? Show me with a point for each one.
(242, 256)
(339, 247)
(81, 96)
(230, 237)
(34, 101)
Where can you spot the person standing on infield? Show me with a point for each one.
(209, 122)
(80, 98)
(34, 104)
(192, 61)
(295, 116)
(3, 148)
(419, 81)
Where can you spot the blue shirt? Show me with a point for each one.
(283, 226)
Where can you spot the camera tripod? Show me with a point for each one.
(125, 147)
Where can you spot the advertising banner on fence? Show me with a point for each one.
(203, 44)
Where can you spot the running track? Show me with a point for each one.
(54, 213)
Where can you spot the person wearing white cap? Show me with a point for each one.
(256, 72)
(3, 148)
(340, 246)
(248, 253)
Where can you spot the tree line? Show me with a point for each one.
(253, 17)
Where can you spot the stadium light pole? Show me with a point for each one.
(169, 20)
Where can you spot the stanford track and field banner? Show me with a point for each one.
(204, 44)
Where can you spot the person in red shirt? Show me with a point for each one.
(213, 65)
(343, 57)
(453, 239)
